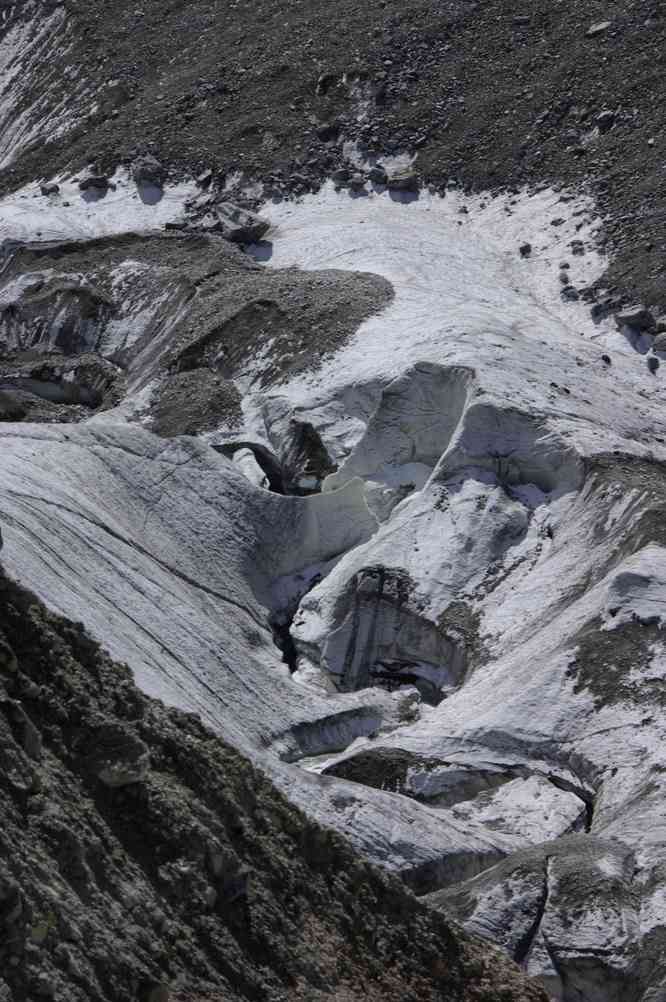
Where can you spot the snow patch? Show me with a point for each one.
(28, 215)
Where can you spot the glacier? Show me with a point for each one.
(470, 590)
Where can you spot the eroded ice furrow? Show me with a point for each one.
(36, 43)
(526, 903)
(127, 554)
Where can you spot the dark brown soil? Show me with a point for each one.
(605, 665)
(17, 405)
(383, 769)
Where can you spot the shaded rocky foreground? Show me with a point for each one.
(141, 857)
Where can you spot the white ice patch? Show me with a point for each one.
(83, 215)
(530, 808)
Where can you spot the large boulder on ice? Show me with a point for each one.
(236, 224)
(148, 170)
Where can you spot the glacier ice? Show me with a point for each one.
(475, 592)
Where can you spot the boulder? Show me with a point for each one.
(659, 343)
(236, 224)
(98, 182)
(44, 985)
(637, 317)
(597, 29)
(11, 899)
(403, 180)
(8, 661)
(605, 120)
(328, 132)
(24, 730)
(341, 175)
(570, 293)
(49, 188)
(377, 174)
(148, 170)
(12, 407)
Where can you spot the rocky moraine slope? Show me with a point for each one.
(332, 346)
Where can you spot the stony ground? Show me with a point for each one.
(141, 856)
(487, 95)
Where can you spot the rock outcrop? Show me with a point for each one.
(235, 223)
